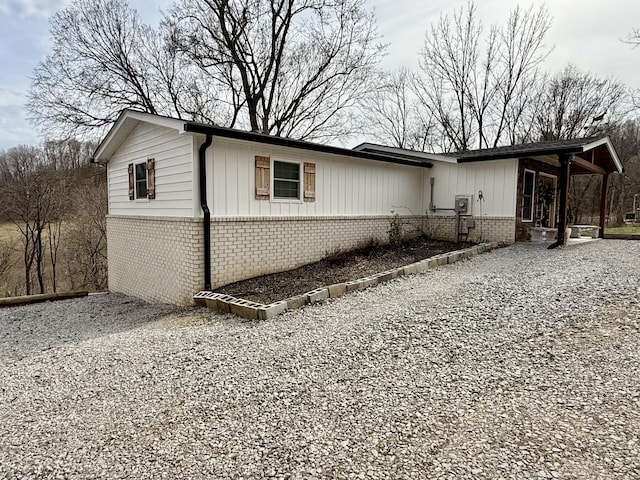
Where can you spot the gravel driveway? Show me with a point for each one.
(520, 363)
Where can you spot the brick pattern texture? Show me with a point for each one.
(492, 229)
(160, 260)
(248, 247)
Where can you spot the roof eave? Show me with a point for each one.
(129, 119)
(612, 151)
(402, 152)
(516, 154)
(193, 127)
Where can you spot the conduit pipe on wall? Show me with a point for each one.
(202, 173)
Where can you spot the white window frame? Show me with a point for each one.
(533, 194)
(273, 182)
(135, 182)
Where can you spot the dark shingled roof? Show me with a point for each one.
(552, 147)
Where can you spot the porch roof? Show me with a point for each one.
(589, 155)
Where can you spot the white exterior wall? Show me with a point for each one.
(175, 163)
(344, 186)
(497, 180)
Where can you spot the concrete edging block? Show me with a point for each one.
(296, 302)
(269, 311)
(245, 308)
(317, 295)
(432, 263)
(369, 281)
(337, 290)
(386, 276)
(399, 272)
(257, 311)
(354, 285)
(422, 266)
(224, 303)
(409, 269)
(442, 260)
(453, 257)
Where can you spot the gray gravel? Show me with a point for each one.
(520, 363)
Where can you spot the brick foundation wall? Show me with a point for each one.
(248, 247)
(160, 260)
(492, 229)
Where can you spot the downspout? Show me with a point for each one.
(202, 170)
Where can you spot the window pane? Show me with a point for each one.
(286, 189)
(528, 182)
(141, 180)
(285, 170)
(527, 196)
(286, 180)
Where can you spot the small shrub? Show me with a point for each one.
(395, 229)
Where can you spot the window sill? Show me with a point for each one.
(286, 200)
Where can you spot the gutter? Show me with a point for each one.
(301, 144)
(518, 154)
(202, 172)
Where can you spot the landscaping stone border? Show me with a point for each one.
(258, 311)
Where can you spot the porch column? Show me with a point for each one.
(603, 204)
(565, 178)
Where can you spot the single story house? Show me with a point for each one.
(193, 206)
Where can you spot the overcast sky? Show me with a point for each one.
(586, 33)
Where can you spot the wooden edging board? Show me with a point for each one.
(44, 297)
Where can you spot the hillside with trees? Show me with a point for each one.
(52, 230)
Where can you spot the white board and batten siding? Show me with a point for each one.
(497, 179)
(345, 186)
(174, 173)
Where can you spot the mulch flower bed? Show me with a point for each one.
(341, 267)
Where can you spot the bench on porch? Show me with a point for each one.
(589, 230)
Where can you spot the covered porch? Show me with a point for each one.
(545, 170)
(594, 156)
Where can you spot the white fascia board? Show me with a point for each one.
(606, 141)
(124, 125)
(381, 149)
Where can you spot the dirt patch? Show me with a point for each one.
(337, 268)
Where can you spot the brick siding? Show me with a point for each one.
(160, 260)
(492, 229)
(248, 247)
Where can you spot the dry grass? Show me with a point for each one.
(9, 232)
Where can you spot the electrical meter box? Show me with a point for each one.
(463, 204)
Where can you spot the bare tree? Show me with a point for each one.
(289, 67)
(578, 104)
(633, 38)
(475, 94)
(622, 188)
(86, 241)
(24, 197)
(6, 260)
(105, 59)
(68, 154)
(390, 115)
(520, 52)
